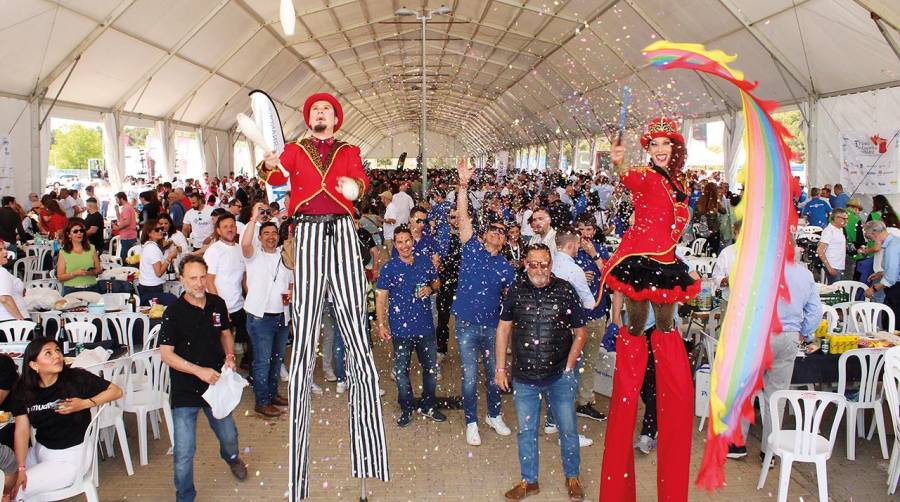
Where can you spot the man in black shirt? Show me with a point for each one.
(11, 222)
(195, 340)
(93, 225)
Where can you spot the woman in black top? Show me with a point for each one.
(55, 399)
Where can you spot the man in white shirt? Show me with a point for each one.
(268, 291)
(404, 203)
(225, 278)
(66, 203)
(392, 215)
(543, 231)
(724, 262)
(198, 222)
(832, 248)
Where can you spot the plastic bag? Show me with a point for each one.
(609, 338)
(224, 395)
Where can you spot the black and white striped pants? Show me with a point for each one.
(328, 259)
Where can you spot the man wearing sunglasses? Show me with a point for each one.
(423, 244)
(484, 277)
(542, 320)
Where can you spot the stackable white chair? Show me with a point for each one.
(25, 268)
(49, 318)
(118, 273)
(831, 315)
(115, 246)
(81, 332)
(45, 283)
(98, 320)
(17, 331)
(124, 325)
(698, 246)
(871, 364)
(84, 296)
(84, 483)
(684, 250)
(843, 310)
(805, 443)
(703, 265)
(109, 261)
(892, 393)
(852, 288)
(41, 252)
(112, 423)
(811, 229)
(151, 341)
(152, 397)
(865, 316)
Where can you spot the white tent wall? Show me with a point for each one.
(865, 111)
(12, 110)
(216, 151)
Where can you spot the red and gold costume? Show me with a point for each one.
(645, 268)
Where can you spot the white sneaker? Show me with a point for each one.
(472, 435)
(497, 424)
(550, 429)
(645, 444)
(341, 387)
(316, 390)
(285, 374)
(583, 441)
(381, 391)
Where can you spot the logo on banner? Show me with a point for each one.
(880, 142)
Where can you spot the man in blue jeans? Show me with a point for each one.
(196, 340)
(403, 306)
(268, 291)
(484, 276)
(543, 318)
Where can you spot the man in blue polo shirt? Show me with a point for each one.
(403, 306)
(423, 244)
(817, 209)
(484, 276)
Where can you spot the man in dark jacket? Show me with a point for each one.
(544, 320)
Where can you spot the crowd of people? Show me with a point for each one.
(515, 265)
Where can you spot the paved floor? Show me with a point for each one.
(431, 462)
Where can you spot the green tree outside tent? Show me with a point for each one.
(793, 121)
(72, 145)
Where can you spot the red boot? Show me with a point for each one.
(675, 411)
(617, 474)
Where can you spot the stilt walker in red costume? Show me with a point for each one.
(325, 176)
(644, 268)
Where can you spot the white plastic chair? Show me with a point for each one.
(115, 246)
(25, 268)
(871, 364)
(831, 315)
(684, 250)
(41, 252)
(852, 288)
(119, 273)
(892, 393)
(85, 296)
(98, 320)
(703, 265)
(109, 261)
(81, 332)
(51, 317)
(151, 341)
(124, 325)
(84, 483)
(45, 283)
(811, 229)
(112, 423)
(134, 250)
(843, 310)
(865, 316)
(804, 444)
(173, 288)
(17, 331)
(150, 398)
(698, 247)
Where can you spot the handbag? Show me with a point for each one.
(287, 253)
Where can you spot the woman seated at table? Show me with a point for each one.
(171, 233)
(154, 264)
(78, 264)
(54, 218)
(12, 292)
(55, 399)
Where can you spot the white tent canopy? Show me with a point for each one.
(503, 73)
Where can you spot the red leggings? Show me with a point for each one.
(675, 408)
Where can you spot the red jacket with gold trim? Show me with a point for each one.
(659, 219)
(309, 176)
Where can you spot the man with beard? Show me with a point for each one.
(225, 278)
(325, 176)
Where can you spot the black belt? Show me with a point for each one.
(272, 314)
(319, 218)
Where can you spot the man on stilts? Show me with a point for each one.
(325, 176)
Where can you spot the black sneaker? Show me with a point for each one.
(588, 411)
(762, 458)
(736, 451)
(405, 419)
(238, 469)
(433, 414)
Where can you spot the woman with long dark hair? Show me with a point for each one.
(150, 206)
(157, 254)
(55, 219)
(55, 400)
(882, 210)
(706, 216)
(78, 264)
(173, 234)
(646, 271)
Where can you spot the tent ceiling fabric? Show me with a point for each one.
(502, 73)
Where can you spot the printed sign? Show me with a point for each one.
(871, 161)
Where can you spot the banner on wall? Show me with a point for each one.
(871, 161)
(6, 167)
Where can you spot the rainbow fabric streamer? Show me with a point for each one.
(757, 279)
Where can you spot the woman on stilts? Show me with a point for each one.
(645, 269)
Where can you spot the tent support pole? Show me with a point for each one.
(812, 142)
(36, 181)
